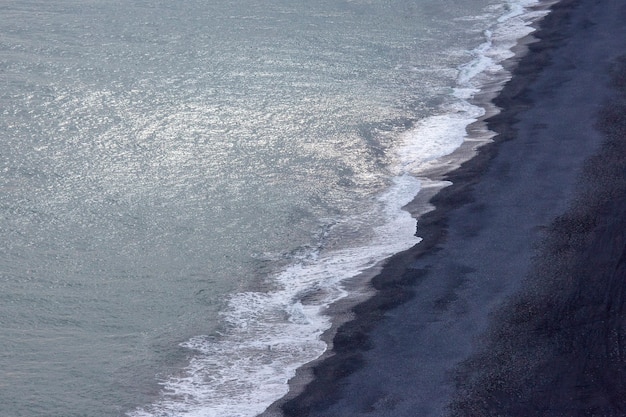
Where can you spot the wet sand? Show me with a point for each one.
(513, 304)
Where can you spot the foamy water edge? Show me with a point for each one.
(267, 336)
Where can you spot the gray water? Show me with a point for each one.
(159, 159)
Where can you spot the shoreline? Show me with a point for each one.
(433, 176)
(386, 341)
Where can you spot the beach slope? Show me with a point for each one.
(513, 302)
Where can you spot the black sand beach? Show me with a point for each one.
(513, 304)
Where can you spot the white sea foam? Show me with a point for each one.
(436, 136)
(439, 135)
(268, 335)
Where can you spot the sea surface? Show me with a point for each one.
(186, 186)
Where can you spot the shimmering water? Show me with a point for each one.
(184, 185)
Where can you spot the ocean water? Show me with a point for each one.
(185, 186)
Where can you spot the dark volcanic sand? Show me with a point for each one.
(513, 305)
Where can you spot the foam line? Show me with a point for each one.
(268, 335)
